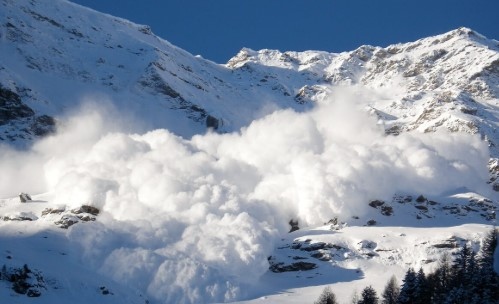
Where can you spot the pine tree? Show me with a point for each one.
(460, 266)
(456, 296)
(489, 280)
(464, 277)
(391, 292)
(326, 297)
(369, 296)
(408, 290)
(422, 293)
(439, 281)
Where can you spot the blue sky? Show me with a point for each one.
(218, 29)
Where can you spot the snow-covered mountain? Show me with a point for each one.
(157, 176)
(57, 53)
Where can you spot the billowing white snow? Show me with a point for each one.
(196, 219)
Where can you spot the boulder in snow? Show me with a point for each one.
(24, 197)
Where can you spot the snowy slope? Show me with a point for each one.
(82, 54)
(58, 54)
(134, 200)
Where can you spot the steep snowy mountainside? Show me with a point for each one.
(448, 81)
(55, 53)
(59, 54)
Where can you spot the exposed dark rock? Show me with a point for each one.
(23, 216)
(322, 256)
(490, 216)
(314, 246)
(33, 293)
(393, 130)
(43, 125)
(469, 111)
(387, 210)
(24, 280)
(445, 245)
(337, 247)
(421, 199)
(212, 122)
(370, 254)
(403, 199)
(105, 291)
(67, 221)
(306, 94)
(371, 223)
(86, 209)
(384, 250)
(39, 17)
(468, 208)
(376, 203)
(52, 211)
(145, 29)
(294, 225)
(365, 244)
(11, 106)
(333, 221)
(24, 197)
(421, 207)
(297, 266)
(156, 82)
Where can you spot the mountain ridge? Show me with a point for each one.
(199, 88)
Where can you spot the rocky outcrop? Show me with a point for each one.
(295, 266)
(68, 218)
(11, 107)
(19, 120)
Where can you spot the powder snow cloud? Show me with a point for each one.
(194, 219)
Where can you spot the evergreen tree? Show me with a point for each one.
(326, 297)
(439, 281)
(464, 277)
(408, 290)
(422, 293)
(460, 266)
(391, 292)
(369, 296)
(473, 269)
(489, 280)
(456, 295)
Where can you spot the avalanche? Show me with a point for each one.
(160, 177)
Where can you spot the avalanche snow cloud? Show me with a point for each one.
(194, 220)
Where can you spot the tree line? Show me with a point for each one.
(469, 279)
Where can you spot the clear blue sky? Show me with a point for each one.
(218, 29)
